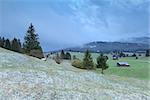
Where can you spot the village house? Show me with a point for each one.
(115, 57)
(122, 64)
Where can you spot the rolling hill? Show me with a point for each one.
(130, 44)
(99, 46)
(142, 40)
(27, 78)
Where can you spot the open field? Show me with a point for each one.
(140, 68)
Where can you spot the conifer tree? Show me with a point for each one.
(31, 40)
(88, 61)
(2, 41)
(19, 46)
(147, 53)
(101, 62)
(16, 45)
(7, 44)
(68, 56)
(31, 44)
(62, 54)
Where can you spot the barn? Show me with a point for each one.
(115, 57)
(122, 64)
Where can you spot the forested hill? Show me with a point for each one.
(99, 46)
(143, 40)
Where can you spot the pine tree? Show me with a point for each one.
(88, 61)
(121, 54)
(62, 54)
(101, 62)
(68, 56)
(16, 45)
(2, 41)
(19, 46)
(7, 44)
(31, 40)
(31, 44)
(147, 53)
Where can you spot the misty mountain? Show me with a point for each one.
(100, 46)
(143, 40)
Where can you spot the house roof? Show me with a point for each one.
(122, 63)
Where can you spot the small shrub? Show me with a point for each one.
(68, 56)
(106, 57)
(77, 63)
(74, 57)
(57, 59)
(121, 54)
(36, 53)
(134, 55)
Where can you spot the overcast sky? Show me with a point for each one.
(65, 23)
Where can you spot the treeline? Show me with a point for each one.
(88, 63)
(30, 46)
(62, 56)
(14, 45)
(147, 53)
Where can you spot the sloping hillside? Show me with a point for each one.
(27, 78)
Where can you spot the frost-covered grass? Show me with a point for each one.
(27, 78)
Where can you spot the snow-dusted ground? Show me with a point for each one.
(28, 78)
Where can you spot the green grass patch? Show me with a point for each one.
(139, 68)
